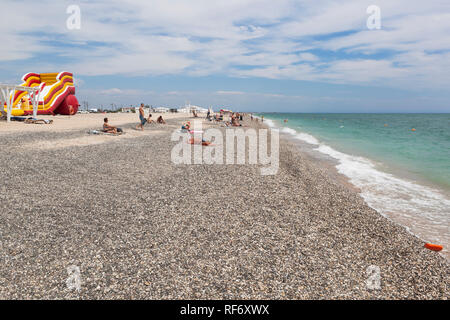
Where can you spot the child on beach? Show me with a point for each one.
(161, 120)
(142, 119)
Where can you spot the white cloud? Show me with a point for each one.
(112, 91)
(245, 38)
(230, 92)
(120, 92)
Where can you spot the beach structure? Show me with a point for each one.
(184, 110)
(126, 110)
(9, 91)
(48, 93)
(188, 108)
(201, 110)
(161, 110)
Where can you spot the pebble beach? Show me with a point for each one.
(140, 227)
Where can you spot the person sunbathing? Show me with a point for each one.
(235, 122)
(149, 120)
(203, 142)
(38, 121)
(161, 120)
(186, 126)
(107, 128)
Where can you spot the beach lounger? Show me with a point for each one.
(20, 119)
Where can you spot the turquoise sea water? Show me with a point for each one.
(404, 174)
(425, 153)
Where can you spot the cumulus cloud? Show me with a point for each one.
(321, 40)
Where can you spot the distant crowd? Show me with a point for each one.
(235, 119)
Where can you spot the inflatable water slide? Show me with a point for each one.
(56, 95)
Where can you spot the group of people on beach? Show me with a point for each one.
(256, 118)
(107, 128)
(235, 121)
(143, 120)
(235, 118)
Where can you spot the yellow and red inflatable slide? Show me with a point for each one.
(56, 94)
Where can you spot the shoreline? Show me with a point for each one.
(331, 164)
(393, 168)
(140, 227)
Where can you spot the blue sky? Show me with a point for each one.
(252, 55)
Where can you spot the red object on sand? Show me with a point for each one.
(433, 247)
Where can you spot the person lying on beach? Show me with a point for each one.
(38, 121)
(142, 119)
(107, 128)
(186, 126)
(161, 120)
(203, 142)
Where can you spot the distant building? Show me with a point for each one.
(161, 110)
(127, 110)
(190, 108)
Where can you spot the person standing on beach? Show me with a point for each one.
(142, 119)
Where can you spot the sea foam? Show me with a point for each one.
(421, 209)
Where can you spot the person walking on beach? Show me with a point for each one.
(142, 119)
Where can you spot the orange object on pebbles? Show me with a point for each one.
(434, 247)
